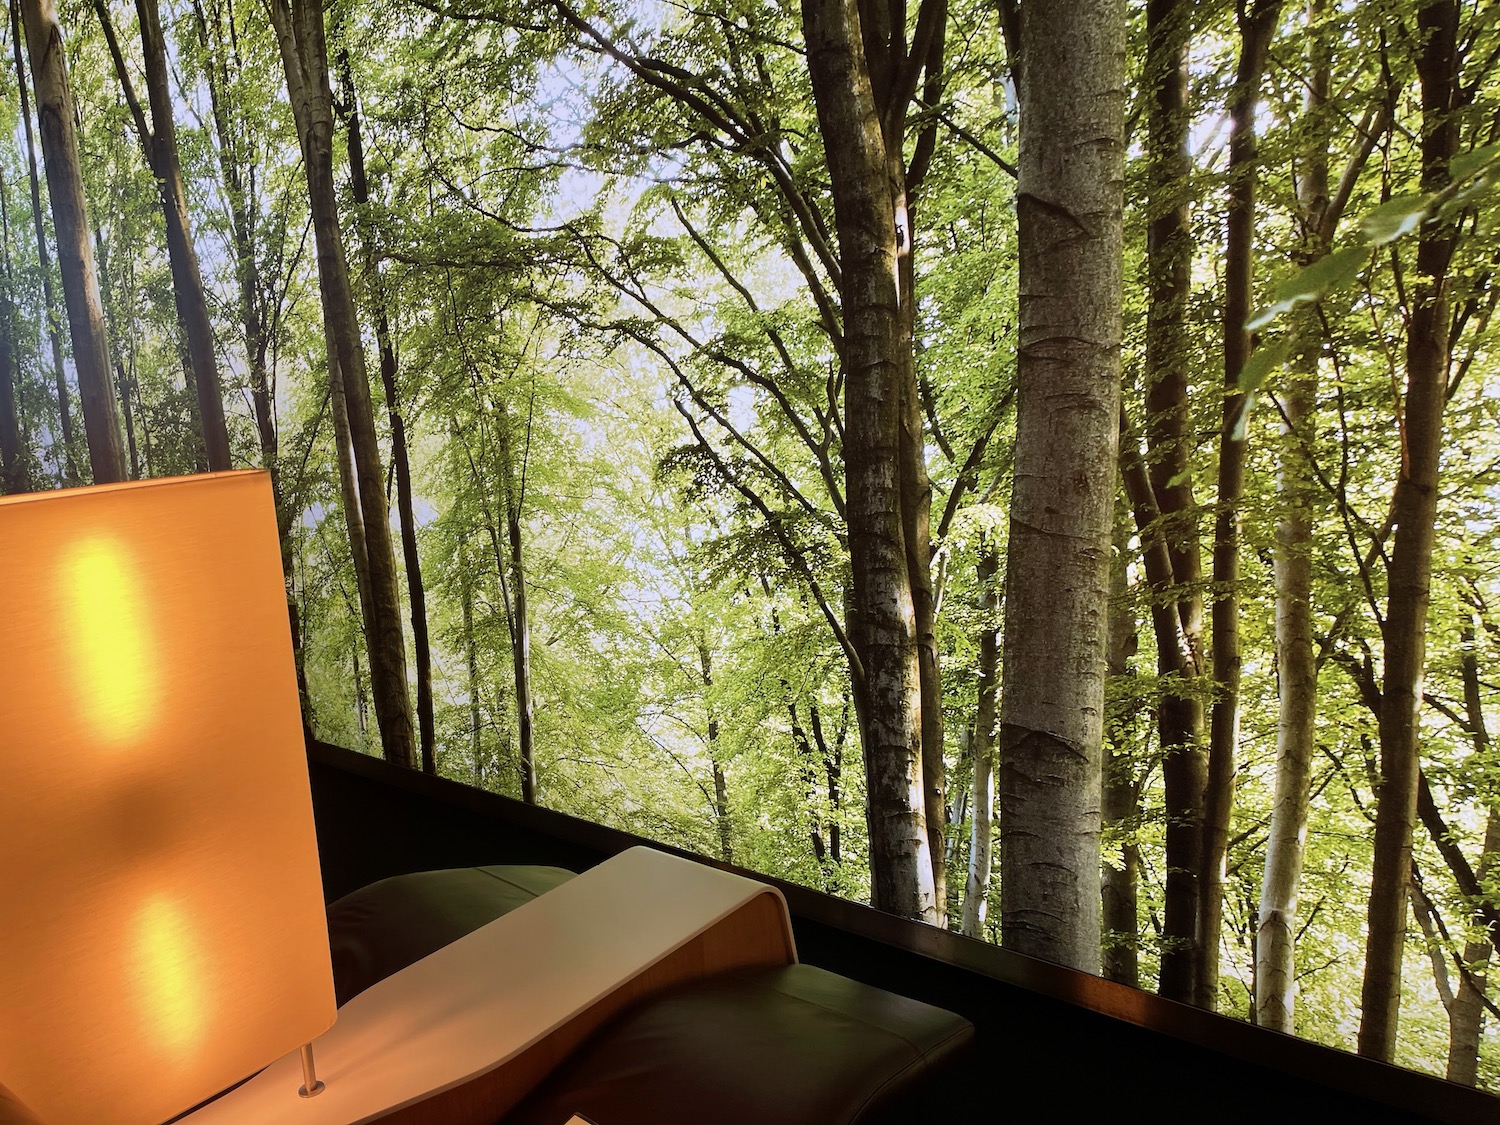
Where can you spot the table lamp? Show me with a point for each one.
(162, 927)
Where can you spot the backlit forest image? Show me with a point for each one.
(1030, 467)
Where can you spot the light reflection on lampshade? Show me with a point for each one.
(110, 637)
(162, 933)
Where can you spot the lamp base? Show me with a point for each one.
(310, 1087)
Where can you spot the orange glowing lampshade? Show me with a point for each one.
(162, 931)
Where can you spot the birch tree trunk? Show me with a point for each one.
(982, 827)
(1410, 571)
(304, 55)
(1069, 204)
(1297, 671)
(1257, 25)
(75, 254)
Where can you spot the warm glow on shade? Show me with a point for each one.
(162, 932)
(173, 968)
(113, 651)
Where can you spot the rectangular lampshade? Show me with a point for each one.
(162, 930)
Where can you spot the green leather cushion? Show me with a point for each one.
(380, 929)
(793, 1045)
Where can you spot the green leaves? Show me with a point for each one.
(1395, 218)
(1311, 284)
(1472, 174)
(1482, 162)
(1262, 362)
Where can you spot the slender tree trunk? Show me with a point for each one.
(981, 839)
(807, 761)
(870, 211)
(1410, 571)
(159, 141)
(833, 770)
(471, 665)
(13, 473)
(916, 518)
(916, 502)
(299, 32)
(513, 477)
(54, 103)
(1170, 440)
(44, 257)
(124, 384)
(1466, 1013)
(1069, 204)
(1296, 665)
(354, 524)
(360, 185)
(361, 707)
(239, 189)
(1257, 24)
(721, 783)
(1122, 790)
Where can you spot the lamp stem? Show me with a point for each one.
(310, 1087)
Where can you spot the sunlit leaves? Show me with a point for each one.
(1311, 284)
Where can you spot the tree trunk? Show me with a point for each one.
(361, 707)
(239, 181)
(981, 838)
(1410, 570)
(123, 382)
(808, 767)
(299, 32)
(360, 189)
(1069, 207)
(833, 771)
(69, 471)
(160, 145)
(1297, 670)
(13, 472)
(1121, 804)
(54, 104)
(1257, 25)
(513, 478)
(471, 666)
(870, 211)
(1466, 1013)
(1170, 441)
(721, 783)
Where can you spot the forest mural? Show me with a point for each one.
(1030, 467)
